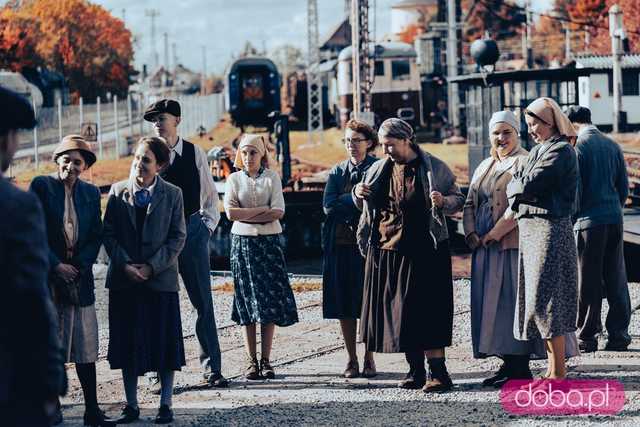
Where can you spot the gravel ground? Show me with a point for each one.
(308, 358)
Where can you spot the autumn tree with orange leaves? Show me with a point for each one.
(584, 16)
(83, 41)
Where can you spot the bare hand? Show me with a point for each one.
(362, 191)
(488, 239)
(437, 199)
(473, 241)
(144, 270)
(133, 274)
(67, 272)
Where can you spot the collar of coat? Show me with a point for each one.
(128, 197)
(443, 178)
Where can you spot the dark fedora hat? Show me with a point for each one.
(75, 142)
(15, 111)
(163, 106)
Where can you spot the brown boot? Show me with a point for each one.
(439, 379)
(266, 370)
(417, 375)
(352, 370)
(369, 369)
(253, 370)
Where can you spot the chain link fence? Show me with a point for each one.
(115, 124)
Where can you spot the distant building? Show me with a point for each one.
(596, 89)
(405, 13)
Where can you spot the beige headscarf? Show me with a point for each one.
(549, 111)
(257, 142)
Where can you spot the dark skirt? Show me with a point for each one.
(408, 300)
(262, 293)
(145, 331)
(342, 283)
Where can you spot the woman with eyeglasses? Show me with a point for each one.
(343, 266)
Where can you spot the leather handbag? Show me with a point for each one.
(66, 292)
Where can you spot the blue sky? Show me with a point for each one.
(223, 26)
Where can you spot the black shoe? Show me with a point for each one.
(217, 380)
(501, 375)
(617, 345)
(588, 346)
(128, 415)
(414, 380)
(97, 418)
(165, 415)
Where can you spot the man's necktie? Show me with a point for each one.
(142, 198)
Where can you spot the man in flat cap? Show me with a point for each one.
(32, 372)
(189, 170)
(602, 192)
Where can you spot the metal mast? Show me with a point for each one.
(362, 61)
(153, 14)
(314, 81)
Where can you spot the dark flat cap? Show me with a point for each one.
(15, 111)
(578, 114)
(163, 106)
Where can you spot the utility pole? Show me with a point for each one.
(153, 14)
(314, 82)
(567, 43)
(203, 82)
(175, 56)
(166, 51)
(616, 31)
(361, 61)
(452, 64)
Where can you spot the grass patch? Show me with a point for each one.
(296, 286)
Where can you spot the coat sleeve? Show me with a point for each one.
(544, 175)
(453, 197)
(39, 187)
(117, 254)
(88, 253)
(622, 180)
(168, 253)
(334, 202)
(36, 326)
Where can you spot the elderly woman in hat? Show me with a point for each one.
(74, 230)
(254, 201)
(343, 266)
(408, 289)
(543, 194)
(491, 232)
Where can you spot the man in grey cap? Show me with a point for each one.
(32, 372)
(602, 191)
(189, 170)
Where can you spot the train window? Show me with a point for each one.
(400, 70)
(252, 91)
(379, 68)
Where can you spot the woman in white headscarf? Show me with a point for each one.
(254, 201)
(543, 195)
(491, 232)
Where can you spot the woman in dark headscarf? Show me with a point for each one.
(343, 266)
(543, 195)
(408, 293)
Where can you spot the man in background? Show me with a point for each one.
(602, 191)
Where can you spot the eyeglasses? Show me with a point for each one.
(354, 140)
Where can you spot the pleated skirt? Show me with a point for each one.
(145, 331)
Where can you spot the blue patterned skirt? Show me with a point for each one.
(262, 293)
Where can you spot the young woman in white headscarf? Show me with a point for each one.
(254, 201)
(408, 290)
(543, 195)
